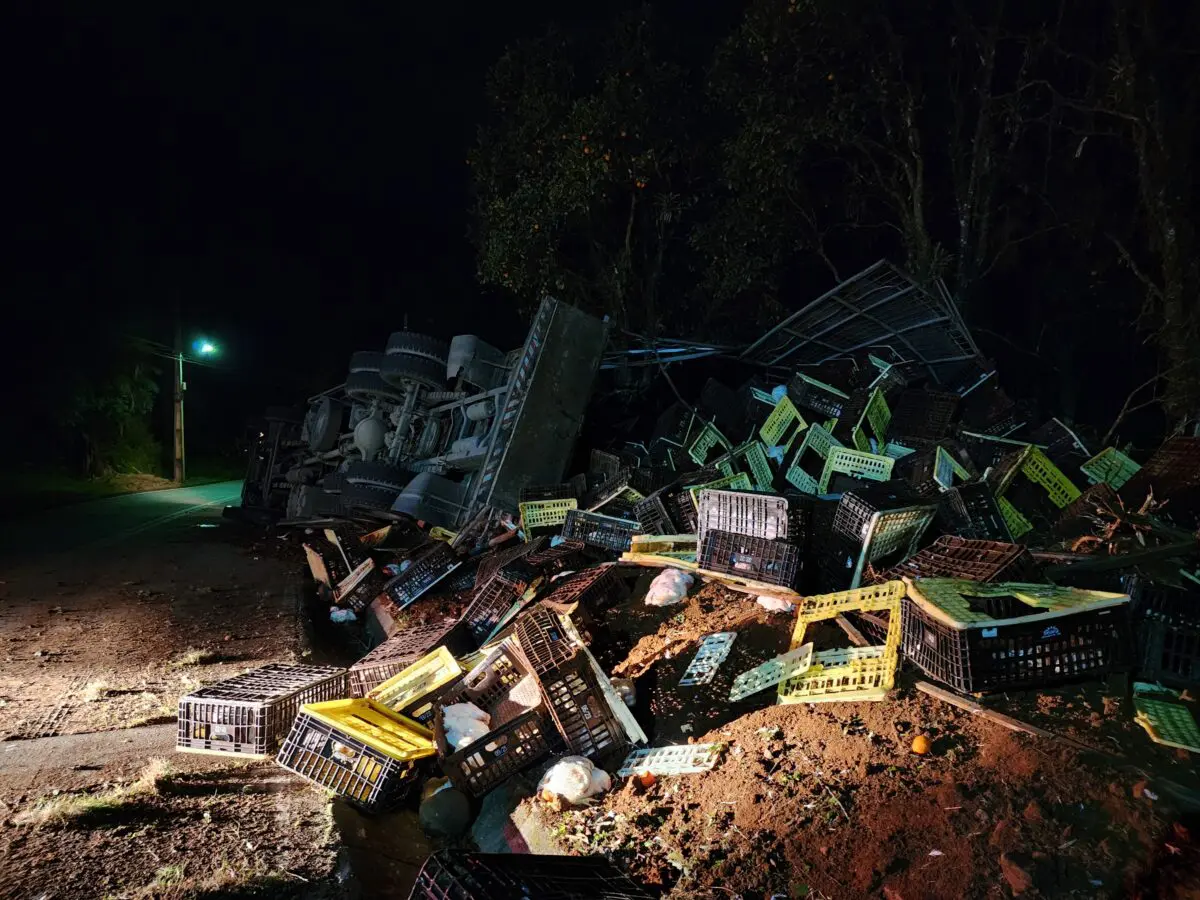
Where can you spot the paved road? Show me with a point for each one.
(100, 523)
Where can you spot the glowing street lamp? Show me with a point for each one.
(202, 347)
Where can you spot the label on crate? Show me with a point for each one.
(1051, 632)
(987, 633)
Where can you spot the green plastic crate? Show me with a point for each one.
(783, 419)
(709, 437)
(819, 442)
(1038, 468)
(1112, 467)
(755, 458)
(1017, 523)
(843, 460)
(946, 467)
(897, 451)
(739, 481)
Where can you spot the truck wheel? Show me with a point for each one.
(401, 367)
(366, 496)
(377, 474)
(364, 386)
(326, 425)
(297, 501)
(412, 344)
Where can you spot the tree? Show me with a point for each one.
(585, 176)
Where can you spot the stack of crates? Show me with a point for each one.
(357, 749)
(748, 534)
(521, 734)
(395, 655)
(988, 637)
(249, 715)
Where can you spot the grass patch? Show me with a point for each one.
(168, 876)
(194, 657)
(65, 808)
(95, 690)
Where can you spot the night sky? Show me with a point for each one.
(294, 179)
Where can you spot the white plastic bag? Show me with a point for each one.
(465, 723)
(668, 588)
(575, 779)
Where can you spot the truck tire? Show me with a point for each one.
(366, 361)
(297, 501)
(412, 344)
(326, 425)
(366, 496)
(377, 474)
(401, 367)
(365, 386)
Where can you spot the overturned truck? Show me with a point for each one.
(432, 430)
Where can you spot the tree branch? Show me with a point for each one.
(1126, 409)
(1145, 279)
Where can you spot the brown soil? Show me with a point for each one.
(828, 800)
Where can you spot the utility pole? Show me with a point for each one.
(180, 387)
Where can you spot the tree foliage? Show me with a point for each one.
(585, 175)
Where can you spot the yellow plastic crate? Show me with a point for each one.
(373, 724)
(1038, 468)
(666, 544)
(438, 533)
(546, 513)
(406, 691)
(1017, 523)
(782, 419)
(853, 673)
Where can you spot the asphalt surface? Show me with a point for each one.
(100, 523)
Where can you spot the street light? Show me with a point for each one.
(203, 347)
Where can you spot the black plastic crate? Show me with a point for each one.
(424, 572)
(1168, 635)
(595, 588)
(397, 653)
(970, 511)
(682, 511)
(921, 417)
(250, 714)
(454, 875)
(543, 640)
(652, 515)
(519, 736)
(553, 558)
(586, 722)
(815, 397)
(1022, 652)
(492, 600)
(338, 761)
(858, 506)
(596, 530)
(955, 557)
(831, 566)
(774, 562)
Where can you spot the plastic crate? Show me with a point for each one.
(923, 416)
(955, 557)
(1038, 468)
(754, 457)
(817, 443)
(1168, 636)
(395, 655)
(1174, 466)
(423, 574)
(519, 736)
(710, 437)
(607, 465)
(543, 640)
(970, 511)
(758, 559)
(596, 530)
(808, 393)
(1017, 524)
(413, 691)
(491, 602)
(987, 637)
(682, 511)
(546, 513)
(454, 875)
(357, 749)
(652, 514)
(739, 481)
(784, 419)
(1110, 466)
(563, 555)
(595, 588)
(249, 715)
(856, 508)
(576, 700)
(854, 673)
(758, 515)
(856, 464)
